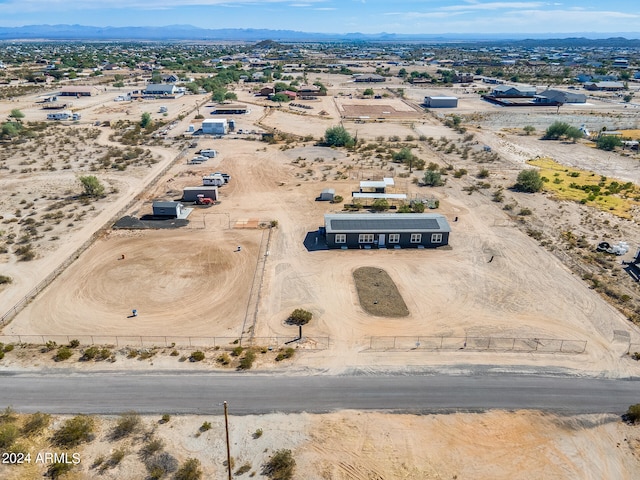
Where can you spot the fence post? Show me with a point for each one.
(561, 344)
(489, 344)
(513, 344)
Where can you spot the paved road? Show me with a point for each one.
(170, 392)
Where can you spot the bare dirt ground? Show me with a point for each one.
(366, 445)
(192, 282)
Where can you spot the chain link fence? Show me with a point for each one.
(168, 341)
(497, 344)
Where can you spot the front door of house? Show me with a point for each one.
(381, 240)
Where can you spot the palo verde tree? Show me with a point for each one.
(91, 186)
(608, 142)
(338, 137)
(528, 181)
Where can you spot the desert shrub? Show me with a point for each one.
(36, 423)
(257, 433)
(636, 356)
(246, 362)
(484, 173)
(8, 415)
(74, 431)
(190, 470)
(459, 173)
(337, 199)
(5, 280)
(237, 351)
(205, 426)
(165, 418)
(280, 466)
(197, 356)
(116, 457)
(285, 353)
(299, 317)
(633, 413)
(160, 465)
(75, 343)
(127, 424)
(151, 448)
(58, 469)
(64, 353)
(9, 433)
(525, 211)
(89, 354)
(432, 178)
(1, 354)
(338, 137)
(174, 353)
(244, 468)
(224, 359)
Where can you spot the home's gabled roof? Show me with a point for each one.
(160, 87)
(385, 223)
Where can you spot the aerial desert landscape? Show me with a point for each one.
(519, 285)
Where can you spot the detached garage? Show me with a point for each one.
(190, 194)
(386, 230)
(441, 102)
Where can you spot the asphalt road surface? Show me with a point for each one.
(170, 392)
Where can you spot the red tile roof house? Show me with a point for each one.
(290, 94)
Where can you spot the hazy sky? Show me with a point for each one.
(337, 16)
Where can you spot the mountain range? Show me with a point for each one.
(189, 32)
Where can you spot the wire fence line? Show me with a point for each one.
(13, 311)
(497, 344)
(168, 341)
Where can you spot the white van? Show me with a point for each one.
(208, 153)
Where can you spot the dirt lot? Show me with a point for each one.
(366, 445)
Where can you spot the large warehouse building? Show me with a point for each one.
(440, 102)
(215, 126)
(386, 230)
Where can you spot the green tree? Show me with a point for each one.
(432, 178)
(16, 114)
(280, 87)
(11, 129)
(608, 142)
(528, 181)
(556, 130)
(573, 134)
(145, 121)
(368, 92)
(338, 137)
(230, 96)
(299, 317)
(92, 186)
(280, 97)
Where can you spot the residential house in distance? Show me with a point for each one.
(78, 91)
(555, 97)
(309, 91)
(386, 230)
(160, 89)
(369, 78)
(604, 86)
(509, 91)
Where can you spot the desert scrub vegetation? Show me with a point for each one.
(285, 353)
(189, 470)
(280, 466)
(127, 424)
(74, 431)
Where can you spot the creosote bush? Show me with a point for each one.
(127, 424)
(74, 431)
(280, 466)
(190, 470)
(197, 356)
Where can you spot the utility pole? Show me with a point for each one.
(226, 428)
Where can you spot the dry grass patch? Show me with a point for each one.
(378, 293)
(606, 194)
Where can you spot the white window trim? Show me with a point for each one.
(365, 238)
(436, 238)
(394, 238)
(416, 238)
(341, 238)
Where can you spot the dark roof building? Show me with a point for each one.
(386, 230)
(160, 89)
(370, 77)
